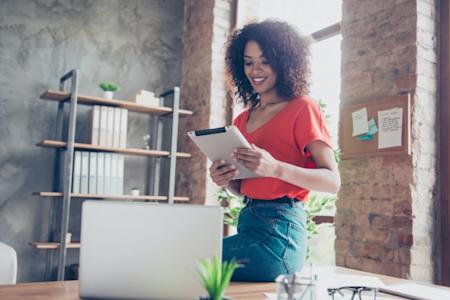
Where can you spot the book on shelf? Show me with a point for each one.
(76, 178)
(93, 125)
(92, 188)
(121, 167)
(146, 98)
(110, 134)
(123, 128)
(103, 126)
(114, 173)
(107, 174)
(100, 173)
(107, 126)
(84, 181)
(116, 127)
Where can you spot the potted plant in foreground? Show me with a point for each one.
(109, 88)
(216, 275)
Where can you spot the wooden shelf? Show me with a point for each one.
(129, 151)
(114, 197)
(52, 245)
(92, 100)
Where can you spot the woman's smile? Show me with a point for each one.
(257, 80)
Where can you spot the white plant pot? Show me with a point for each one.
(135, 192)
(108, 95)
(68, 238)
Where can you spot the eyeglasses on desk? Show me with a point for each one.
(353, 293)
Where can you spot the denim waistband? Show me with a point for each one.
(283, 200)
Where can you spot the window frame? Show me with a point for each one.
(444, 120)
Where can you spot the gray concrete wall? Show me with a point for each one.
(136, 44)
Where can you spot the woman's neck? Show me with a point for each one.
(268, 99)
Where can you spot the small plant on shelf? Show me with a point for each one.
(216, 275)
(109, 88)
(135, 191)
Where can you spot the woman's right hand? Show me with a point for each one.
(222, 173)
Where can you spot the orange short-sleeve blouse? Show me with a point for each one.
(285, 136)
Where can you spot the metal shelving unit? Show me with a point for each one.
(73, 99)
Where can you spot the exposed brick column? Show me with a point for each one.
(203, 90)
(425, 147)
(384, 217)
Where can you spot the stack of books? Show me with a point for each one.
(98, 173)
(102, 173)
(108, 126)
(146, 98)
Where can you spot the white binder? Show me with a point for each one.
(107, 175)
(84, 182)
(103, 131)
(76, 172)
(123, 128)
(92, 173)
(116, 127)
(100, 173)
(110, 127)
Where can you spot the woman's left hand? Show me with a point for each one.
(258, 161)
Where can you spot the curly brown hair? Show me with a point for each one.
(286, 51)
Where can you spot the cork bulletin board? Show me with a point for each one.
(352, 147)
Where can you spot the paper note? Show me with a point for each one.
(372, 130)
(372, 127)
(359, 121)
(390, 128)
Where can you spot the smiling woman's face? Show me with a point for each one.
(257, 69)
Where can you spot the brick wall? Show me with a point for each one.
(203, 90)
(384, 215)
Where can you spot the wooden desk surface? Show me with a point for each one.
(68, 290)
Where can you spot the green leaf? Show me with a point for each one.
(215, 275)
(232, 206)
(109, 86)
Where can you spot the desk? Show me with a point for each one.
(68, 290)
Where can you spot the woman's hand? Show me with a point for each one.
(258, 161)
(222, 173)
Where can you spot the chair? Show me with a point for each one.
(8, 264)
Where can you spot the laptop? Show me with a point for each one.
(138, 250)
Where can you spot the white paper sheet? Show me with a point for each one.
(359, 121)
(332, 280)
(327, 279)
(418, 291)
(338, 280)
(273, 296)
(390, 128)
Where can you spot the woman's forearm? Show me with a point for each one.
(320, 179)
(234, 187)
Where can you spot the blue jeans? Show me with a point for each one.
(271, 240)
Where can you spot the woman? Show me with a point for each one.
(268, 64)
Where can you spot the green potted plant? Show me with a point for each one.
(216, 275)
(109, 88)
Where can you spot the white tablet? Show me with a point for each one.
(219, 143)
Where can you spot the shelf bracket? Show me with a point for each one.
(68, 165)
